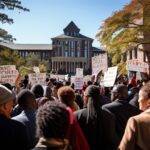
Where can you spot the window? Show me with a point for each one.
(85, 54)
(66, 53)
(72, 43)
(135, 53)
(72, 53)
(130, 54)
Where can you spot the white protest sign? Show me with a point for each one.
(36, 69)
(79, 72)
(37, 78)
(78, 83)
(54, 76)
(138, 66)
(8, 74)
(110, 76)
(99, 63)
(58, 77)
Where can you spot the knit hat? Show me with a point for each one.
(5, 94)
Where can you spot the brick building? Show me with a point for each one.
(67, 52)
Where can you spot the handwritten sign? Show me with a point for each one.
(137, 65)
(39, 78)
(8, 74)
(78, 83)
(99, 63)
(110, 76)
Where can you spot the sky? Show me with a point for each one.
(48, 18)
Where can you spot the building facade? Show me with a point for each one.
(67, 52)
(137, 62)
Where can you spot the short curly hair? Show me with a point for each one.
(52, 120)
(66, 95)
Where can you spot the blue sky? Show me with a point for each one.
(47, 18)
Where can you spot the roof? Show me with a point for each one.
(79, 36)
(98, 50)
(27, 46)
(72, 27)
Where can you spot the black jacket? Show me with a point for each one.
(118, 113)
(92, 130)
(13, 134)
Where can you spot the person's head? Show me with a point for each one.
(119, 92)
(92, 101)
(92, 95)
(38, 90)
(144, 97)
(26, 100)
(6, 101)
(52, 120)
(47, 79)
(66, 95)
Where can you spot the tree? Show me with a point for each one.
(4, 18)
(34, 60)
(127, 28)
(10, 57)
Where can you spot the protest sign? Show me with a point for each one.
(79, 72)
(58, 77)
(78, 83)
(8, 74)
(137, 65)
(110, 77)
(99, 63)
(36, 69)
(39, 78)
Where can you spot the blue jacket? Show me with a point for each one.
(27, 117)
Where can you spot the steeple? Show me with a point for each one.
(71, 29)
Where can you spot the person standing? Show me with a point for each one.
(13, 134)
(117, 114)
(26, 100)
(137, 132)
(90, 118)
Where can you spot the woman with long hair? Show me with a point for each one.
(89, 118)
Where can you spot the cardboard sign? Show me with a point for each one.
(138, 66)
(37, 78)
(78, 83)
(110, 77)
(99, 63)
(79, 72)
(8, 74)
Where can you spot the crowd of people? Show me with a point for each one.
(58, 117)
